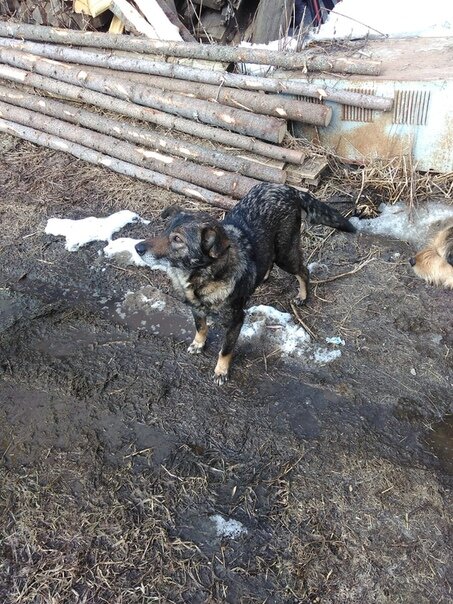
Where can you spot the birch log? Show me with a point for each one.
(278, 83)
(283, 59)
(139, 135)
(94, 157)
(265, 127)
(103, 101)
(220, 181)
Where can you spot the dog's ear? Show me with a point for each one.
(170, 211)
(214, 241)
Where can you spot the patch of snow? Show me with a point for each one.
(122, 245)
(398, 222)
(228, 528)
(336, 340)
(278, 327)
(354, 19)
(323, 355)
(80, 232)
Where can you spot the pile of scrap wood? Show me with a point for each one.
(241, 120)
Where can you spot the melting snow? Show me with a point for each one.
(396, 221)
(228, 528)
(80, 232)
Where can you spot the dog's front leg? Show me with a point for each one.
(225, 355)
(201, 334)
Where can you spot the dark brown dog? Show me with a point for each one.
(434, 264)
(217, 266)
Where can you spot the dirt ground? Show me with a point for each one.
(117, 448)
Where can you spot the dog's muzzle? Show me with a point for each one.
(412, 261)
(141, 248)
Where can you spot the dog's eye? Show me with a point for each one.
(176, 239)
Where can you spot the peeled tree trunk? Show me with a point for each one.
(121, 167)
(140, 135)
(230, 54)
(268, 128)
(145, 114)
(217, 180)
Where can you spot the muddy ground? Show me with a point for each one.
(117, 448)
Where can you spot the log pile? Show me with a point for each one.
(237, 123)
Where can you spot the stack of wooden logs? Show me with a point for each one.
(241, 119)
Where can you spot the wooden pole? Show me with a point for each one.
(139, 135)
(265, 127)
(103, 101)
(94, 157)
(284, 59)
(227, 183)
(278, 83)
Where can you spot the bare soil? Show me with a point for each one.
(116, 447)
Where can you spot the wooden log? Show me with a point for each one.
(116, 26)
(265, 127)
(91, 7)
(227, 183)
(229, 54)
(145, 114)
(132, 19)
(139, 135)
(278, 83)
(290, 109)
(154, 14)
(128, 169)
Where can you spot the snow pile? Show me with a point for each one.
(368, 18)
(80, 232)
(228, 528)
(398, 222)
(277, 327)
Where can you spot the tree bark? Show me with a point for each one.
(278, 83)
(273, 105)
(265, 127)
(220, 181)
(116, 165)
(284, 59)
(141, 136)
(145, 114)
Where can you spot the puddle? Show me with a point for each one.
(440, 441)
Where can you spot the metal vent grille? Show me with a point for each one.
(357, 114)
(411, 107)
(310, 99)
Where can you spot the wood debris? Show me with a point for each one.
(238, 123)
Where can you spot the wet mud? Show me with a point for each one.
(117, 449)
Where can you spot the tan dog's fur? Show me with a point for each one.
(433, 263)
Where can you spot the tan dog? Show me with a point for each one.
(434, 264)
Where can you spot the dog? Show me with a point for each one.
(434, 264)
(217, 265)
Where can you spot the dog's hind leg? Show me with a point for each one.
(289, 258)
(200, 335)
(226, 354)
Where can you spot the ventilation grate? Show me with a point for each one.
(357, 114)
(411, 107)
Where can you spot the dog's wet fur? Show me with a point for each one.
(217, 265)
(434, 263)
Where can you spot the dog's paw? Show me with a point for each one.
(220, 378)
(196, 347)
(299, 302)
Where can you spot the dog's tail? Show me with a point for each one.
(320, 213)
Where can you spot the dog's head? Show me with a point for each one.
(190, 240)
